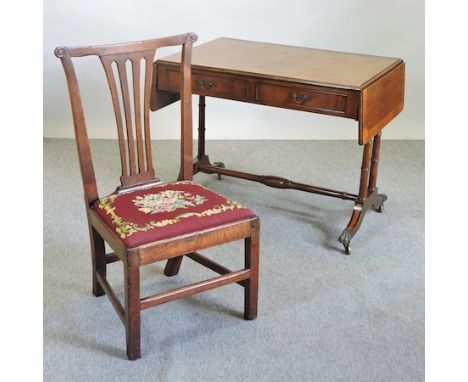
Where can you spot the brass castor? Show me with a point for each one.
(345, 239)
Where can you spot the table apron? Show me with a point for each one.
(283, 94)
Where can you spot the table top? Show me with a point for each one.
(290, 63)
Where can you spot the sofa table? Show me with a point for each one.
(368, 89)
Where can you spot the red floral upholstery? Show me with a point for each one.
(165, 211)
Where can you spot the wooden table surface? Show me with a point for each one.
(282, 62)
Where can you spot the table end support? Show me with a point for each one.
(375, 201)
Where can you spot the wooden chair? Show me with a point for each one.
(145, 220)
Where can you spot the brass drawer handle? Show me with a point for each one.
(206, 84)
(300, 98)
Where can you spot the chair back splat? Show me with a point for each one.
(134, 138)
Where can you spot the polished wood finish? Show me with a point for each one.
(184, 244)
(368, 196)
(381, 101)
(201, 127)
(204, 83)
(214, 266)
(133, 132)
(190, 290)
(98, 259)
(311, 98)
(137, 171)
(111, 258)
(365, 170)
(285, 94)
(252, 262)
(368, 89)
(285, 63)
(374, 164)
(272, 181)
(132, 310)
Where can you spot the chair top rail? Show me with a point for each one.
(130, 47)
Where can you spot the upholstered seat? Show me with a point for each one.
(164, 211)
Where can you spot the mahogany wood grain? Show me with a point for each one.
(289, 95)
(207, 84)
(252, 244)
(132, 311)
(98, 259)
(208, 263)
(368, 196)
(109, 235)
(190, 290)
(184, 244)
(381, 102)
(213, 265)
(201, 127)
(288, 63)
(173, 266)
(81, 135)
(365, 170)
(131, 108)
(306, 98)
(374, 164)
(186, 141)
(273, 181)
(112, 258)
(363, 87)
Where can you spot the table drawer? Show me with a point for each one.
(314, 99)
(209, 85)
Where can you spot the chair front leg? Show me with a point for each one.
(251, 262)
(132, 311)
(98, 259)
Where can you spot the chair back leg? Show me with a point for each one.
(173, 266)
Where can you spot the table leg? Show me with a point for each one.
(368, 196)
(375, 200)
(374, 167)
(201, 128)
(202, 158)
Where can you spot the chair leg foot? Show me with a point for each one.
(97, 288)
(173, 266)
(250, 313)
(133, 354)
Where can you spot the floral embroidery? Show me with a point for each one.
(125, 228)
(167, 201)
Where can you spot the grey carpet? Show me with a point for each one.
(323, 316)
